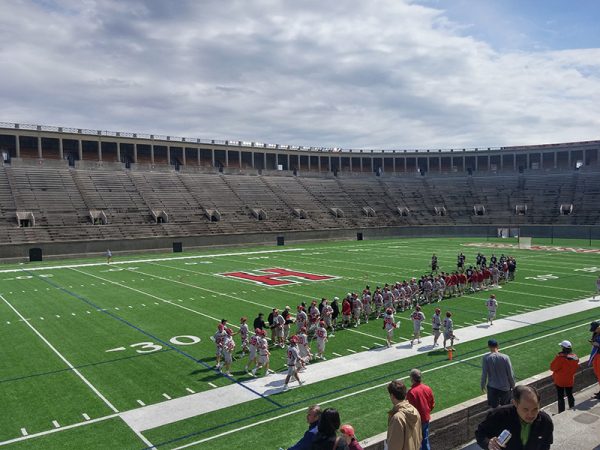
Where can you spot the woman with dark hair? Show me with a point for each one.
(326, 438)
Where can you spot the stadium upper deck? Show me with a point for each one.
(81, 147)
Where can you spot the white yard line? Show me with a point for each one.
(138, 261)
(178, 409)
(67, 362)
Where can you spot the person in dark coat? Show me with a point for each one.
(259, 322)
(326, 438)
(312, 417)
(531, 429)
(336, 311)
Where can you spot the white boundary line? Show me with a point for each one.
(137, 261)
(76, 372)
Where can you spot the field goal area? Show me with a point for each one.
(524, 242)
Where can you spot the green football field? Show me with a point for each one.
(84, 341)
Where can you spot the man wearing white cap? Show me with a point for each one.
(563, 367)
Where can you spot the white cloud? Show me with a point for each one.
(380, 74)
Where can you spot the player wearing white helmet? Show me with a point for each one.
(436, 325)
(389, 324)
(417, 318)
(492, 306)
(326, 314)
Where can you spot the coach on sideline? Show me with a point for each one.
(530, 428)
(497, 372)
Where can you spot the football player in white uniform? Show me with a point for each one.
(417, 317)
(244, 334)
(293, 356)
(389, 324)
(492, 306)
(436, 325)
(321, 335)
(448, 331)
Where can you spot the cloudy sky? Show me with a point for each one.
(392, 74)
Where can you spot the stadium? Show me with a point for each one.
(123, 252)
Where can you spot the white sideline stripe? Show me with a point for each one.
(85, 416)
(368, 389)
(56, 424)
(96, 391)
(192, 405)
(69, 427)
(24, 432)
(134, 261)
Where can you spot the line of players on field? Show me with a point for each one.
(319, 321)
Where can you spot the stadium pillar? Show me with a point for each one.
(168, 155)
(99, 149)
(440, 164)
(183, 160)
(252, 156)
(17, 146)
(39, 145)
(135, 153)
(226, 158)
(61, 153)
(80, 149)
(118, 151)
(152, 154)
(212, 156)
(555, 160)
(319, 159)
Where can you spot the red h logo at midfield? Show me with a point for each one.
(276, 277)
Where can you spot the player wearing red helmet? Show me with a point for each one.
(252, 348)
(492, 306)
(321, 334)
(389, 324)
(263, 353)
(417, 317)
(293, 357)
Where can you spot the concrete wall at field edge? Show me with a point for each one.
(455, 426)
(75, 248)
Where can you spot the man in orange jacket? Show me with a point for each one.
(563, 367)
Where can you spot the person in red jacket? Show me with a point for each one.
(348, 435)
(563, 367)
(421, 397)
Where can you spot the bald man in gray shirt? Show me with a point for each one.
(497, 375)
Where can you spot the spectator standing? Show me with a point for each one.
(421, 397)
(404, 424)
(326, 437)
(312, 418)
(348, 435)
(497, 373)
(563, 367)
(594, 360)
(531, 429)
(108, 256)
